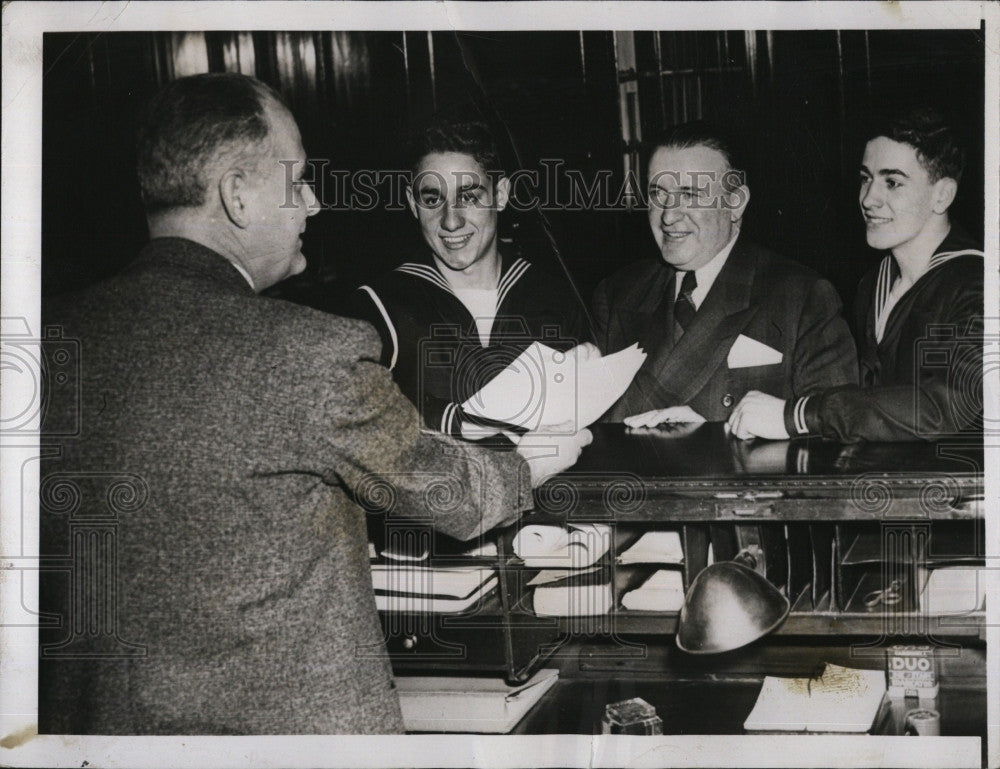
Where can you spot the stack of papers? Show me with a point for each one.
(840, 700)
(467, 704)
(575, 547)
(663, 591)
(655, 547)
(572, 592)
(405, 588)
(954, 590)
(545, 387)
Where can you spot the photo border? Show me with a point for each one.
(23, 26)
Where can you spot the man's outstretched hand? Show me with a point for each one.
(549, 451)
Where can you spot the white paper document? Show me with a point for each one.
(467, 703)
(954, 590)
(571, 547)
(655, 547)
(747, 352)
(663, 591)
(545, 387)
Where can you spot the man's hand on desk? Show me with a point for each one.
(549, 451)
(758, 415)
(672, 415)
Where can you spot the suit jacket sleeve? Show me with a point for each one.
(825, 355)
(944, 399)
(367, 436)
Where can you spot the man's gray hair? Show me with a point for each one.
(195, 123)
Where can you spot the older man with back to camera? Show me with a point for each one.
(255, 427)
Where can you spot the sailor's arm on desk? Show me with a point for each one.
(892, 413)
(945, 400)
(944, 394)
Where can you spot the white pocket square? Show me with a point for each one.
(747, 352)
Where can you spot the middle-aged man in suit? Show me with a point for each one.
(228, 441)
(718, 316)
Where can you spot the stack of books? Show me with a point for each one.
(423, 589)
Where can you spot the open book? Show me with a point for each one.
(840, 700)
(545, 387)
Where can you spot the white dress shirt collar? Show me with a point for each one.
(244, 273)
(706, 274)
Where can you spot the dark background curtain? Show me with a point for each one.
(576, 102)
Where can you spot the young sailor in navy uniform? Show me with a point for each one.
(458, 314)
(919, 314)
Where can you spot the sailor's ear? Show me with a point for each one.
(945, 190)
(503, 193)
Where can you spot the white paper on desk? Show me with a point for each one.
(543, 386)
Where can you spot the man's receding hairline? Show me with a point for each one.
(728, 167)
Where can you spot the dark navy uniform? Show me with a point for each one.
(923, 379)
(431, 343)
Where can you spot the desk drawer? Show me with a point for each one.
(449, 643)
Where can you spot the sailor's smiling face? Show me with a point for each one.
(898, 198)
(456, 204)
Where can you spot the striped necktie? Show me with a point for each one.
(684, 308)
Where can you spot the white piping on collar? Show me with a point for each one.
(388, 323)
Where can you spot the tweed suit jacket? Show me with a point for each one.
(757, 294)
(251, 429)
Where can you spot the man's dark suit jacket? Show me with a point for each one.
(225, 441)
(757, 294)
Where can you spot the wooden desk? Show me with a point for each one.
(715, 697)
(699, 473)
(812, 505)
